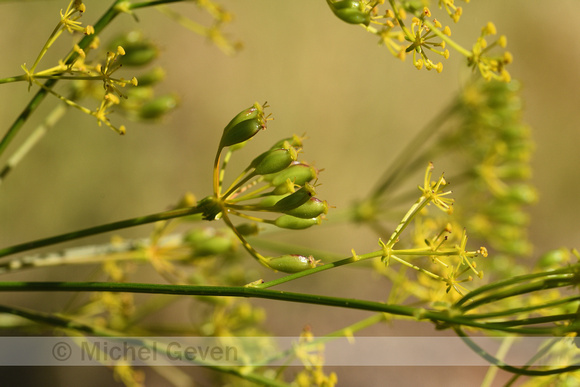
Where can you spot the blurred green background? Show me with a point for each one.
(357, 104)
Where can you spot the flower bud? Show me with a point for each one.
(350, 11)
(243, 126)
(311, 209)
(158, 107)
(274, 160)
(294, 223)
(291, 263)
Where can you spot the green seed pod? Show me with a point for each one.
(298, 173)
(516, 247)
(294, 223)
(138, 95)
(311, 209)
(554, 259)
(273, 161)
(294, 200)
(294, 141)
(291, 263)
(138, 50)
(209, 241)
(514, 171)
(158, 107)
(522, 193)
(350, 11)
(514, 131)
(243, 126)
(241, 132)
(271, 200)
(508, 213)
(152, 77)
(283, 189)
(246, 114)
(248, 229)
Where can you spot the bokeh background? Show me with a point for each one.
(357, 104)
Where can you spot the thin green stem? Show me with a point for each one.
(525, 309)
(448, 40)
(51, 39)
(502, 365)
(494, 287)
(440, 317)
(400, 166)
(548, 283)
(153, 3)
(328, 266)
(501, 353)
(414, 210)
(100, 229)
(51, 119)
(253, 252)
(400, 21)
(18, 78)
(216, 174)
(238, 184)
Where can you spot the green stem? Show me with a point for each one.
(253, 292)
(548, 283)
(414, 210)
(495, 286)
(18, 78)
(153, 3)
(448, 40)
(502, 365)
(51, 119)
(408, 33)
(100, 229)
(400, 166)
(526, 309)
(317, 269)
